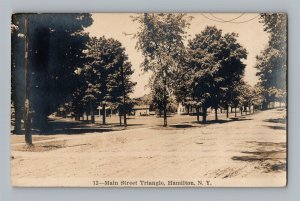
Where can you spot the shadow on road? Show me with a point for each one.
(268, 156)
(277, 127)
(56, 127)
(182, 126)
(222, 121)
(277, 120)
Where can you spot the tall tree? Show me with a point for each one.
(122, 86)
(56, 43)
(232, 68)
(272, 62)
(105, 77)
(17, 70)
(215, 62)
(161, 40)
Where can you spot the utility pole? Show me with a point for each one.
(27, 119)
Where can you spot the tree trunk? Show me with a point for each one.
(27, 118)
(235, 112)
(92, 112)
(125, 118)
(204, 114)
(253, 108)
(165, 99)
(27, 121)
(197, 111)
(227, 112)
(103, 114)
(120, 117)
(241, 110)
(87, 116)
(216, 113)
(231, 111)
(165, 115)
(124, 96)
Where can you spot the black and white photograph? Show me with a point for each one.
(148, 99)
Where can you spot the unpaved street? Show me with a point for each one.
(249, 151)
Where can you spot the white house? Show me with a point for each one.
(184, 109)
(141, 110)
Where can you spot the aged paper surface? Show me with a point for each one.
(149, 100)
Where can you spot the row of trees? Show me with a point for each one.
(64, 65)
(104, 78)
(207, 72)
(272, 62)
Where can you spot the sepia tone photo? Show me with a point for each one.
(149, 100)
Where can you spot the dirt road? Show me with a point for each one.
(249, 151)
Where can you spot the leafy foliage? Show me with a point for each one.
(161, 40)
(216, 67)
(105, 78)
(55, 51)
(272, 62)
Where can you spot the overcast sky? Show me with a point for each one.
(251, 36)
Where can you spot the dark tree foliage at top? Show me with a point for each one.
(105, 77)
(56, 44)
(215, 62)
(272, 62)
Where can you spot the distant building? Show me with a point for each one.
(189, 109)
(141, 110)
(109, 111)
(186, 109)
(181, 109)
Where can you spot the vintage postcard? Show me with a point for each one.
(149, 100)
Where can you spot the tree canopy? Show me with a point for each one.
(216, 67)
(105, 77)
(272, 62)
(161, 40)
(56, 43)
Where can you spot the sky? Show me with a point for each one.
(250, 30)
